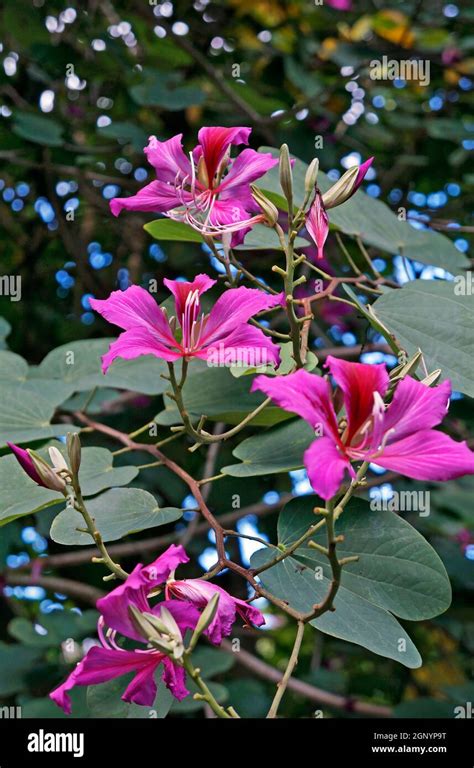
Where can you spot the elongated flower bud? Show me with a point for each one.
(286, 175)
(317, 224)
(347, 185)
(269, 210)
(50, 478)
(206, 619)
(36, 468)
(311, 175)
(74, 451)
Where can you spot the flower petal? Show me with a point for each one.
(168, 159)
(139, 341)
(326, 467)
(114, 607)
(302, 393)
(102, 664)
(234, 307)
(363, 168)
(156, 197)
(415, 406)
(246, 168)
(246, 346)
(214, 143)
(200, 592)
(358, 383)
(174, 678)
(181, 289)
(25, 461)
(317, 224)
(428, 455)
(132, 307)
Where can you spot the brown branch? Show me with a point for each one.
(84, 592)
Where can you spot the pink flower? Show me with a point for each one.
(207, 190)
(398, 437)
(317, 224)
(109, 660)
(223, 333)
(200, 592)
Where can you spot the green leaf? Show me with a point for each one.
(12, 367)
(163, 90)
(374, 222)
(117, 513)
(27, 409)
(167, 229)
(125, 133)
(397, 569)
(278, 450)
(15, 662)
(262, 238)
(19, 494)
(59, 626)
(105, 700)
(78, 364)
(355, 620)
(428, 315)
(5, 330)
(38, 129)
(215, 393)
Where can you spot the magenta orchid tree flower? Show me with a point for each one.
(200, 592)
(207, 190)
(317, 221)
(221, 335)
(184, 600)
(398, 436)
(110, 660)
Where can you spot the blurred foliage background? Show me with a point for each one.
(82, 86)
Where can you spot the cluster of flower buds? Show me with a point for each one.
(161, 632)
(317, 222)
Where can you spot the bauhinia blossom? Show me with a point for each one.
(119, 611)
(38, 469)
(191, 333)
(398, 436)
(110, 660)
(207, 190)
(317, 222)
(200, 592)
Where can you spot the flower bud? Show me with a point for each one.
(317, 224)
(74, 451)
(311, 175)
(347, 185)
(269, 210)
(286, 175)
(206, 619)
(49, 476)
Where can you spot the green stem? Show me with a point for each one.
(206, 694)
(105, 558)
(292, 662)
